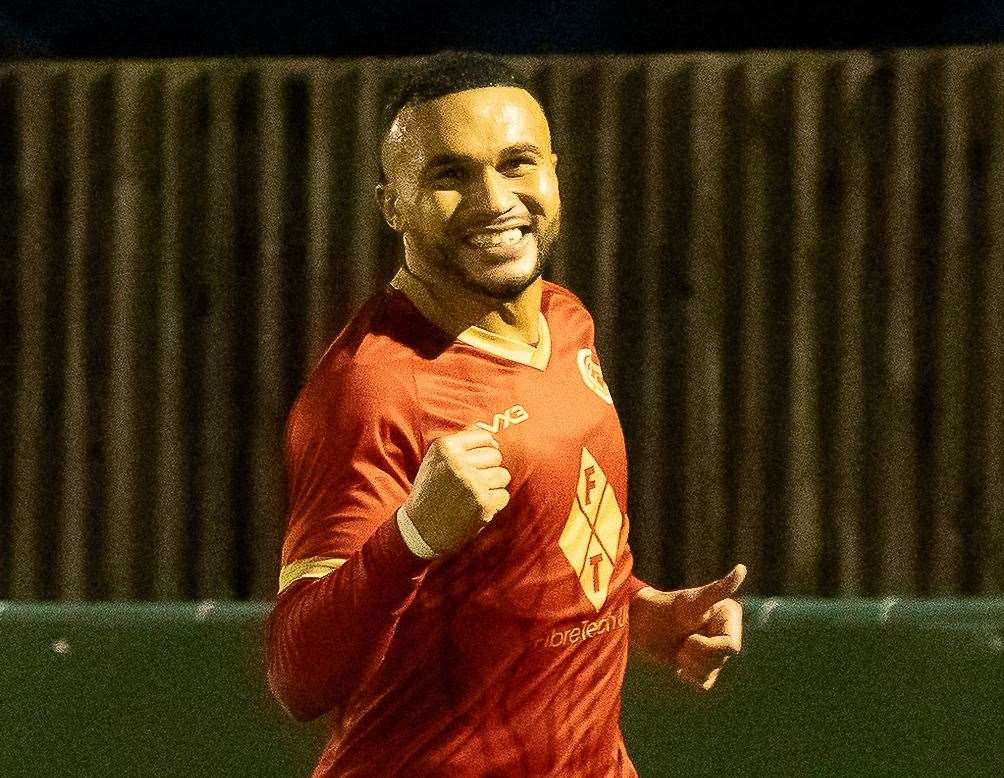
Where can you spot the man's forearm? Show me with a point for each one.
(326, 636)
(639, 626)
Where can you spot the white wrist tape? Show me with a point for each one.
(411, 536)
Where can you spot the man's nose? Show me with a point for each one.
(491, 192)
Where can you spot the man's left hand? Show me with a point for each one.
(695, 630)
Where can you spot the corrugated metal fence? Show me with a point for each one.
(796, 263)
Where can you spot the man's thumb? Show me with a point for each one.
(721, 589)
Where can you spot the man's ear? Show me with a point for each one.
(554, 161)
(386, 197)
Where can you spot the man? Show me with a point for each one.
(456, 587)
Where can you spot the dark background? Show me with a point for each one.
(183, 28)
(811, 235)
(893, 138)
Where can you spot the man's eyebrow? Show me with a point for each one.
(450, 158)
(522, 148)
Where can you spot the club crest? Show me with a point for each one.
(593, 376)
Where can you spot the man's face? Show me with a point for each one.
(471, 185)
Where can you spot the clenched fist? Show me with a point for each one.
(460, 486)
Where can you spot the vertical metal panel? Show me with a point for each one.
(268, 397)
(671, 306)
(320, 215)
(795, 262)
(898, 446)
(604, 216)
(985, 518)
(842, 300)
(27, 557)
(710, 414)
(170, 489)
(807, 440)
(11, 123)
(125, 338)
(221, 401)
(653, 373)
(72, 580)
(950, 434)
(366, 258)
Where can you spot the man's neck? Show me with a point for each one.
(455, 307)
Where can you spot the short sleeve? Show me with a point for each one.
(352, 449)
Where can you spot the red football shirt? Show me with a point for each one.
(507, 657)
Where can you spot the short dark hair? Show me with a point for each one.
(444, 73)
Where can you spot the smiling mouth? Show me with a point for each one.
(486, 240)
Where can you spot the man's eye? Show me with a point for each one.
(447, 174)
(519, 165)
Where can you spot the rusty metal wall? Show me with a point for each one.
(795, 261)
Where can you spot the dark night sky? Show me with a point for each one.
(176, 28)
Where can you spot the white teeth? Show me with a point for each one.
(487, 240)
(512, 236)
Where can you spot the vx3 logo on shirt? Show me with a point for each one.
(515, 415)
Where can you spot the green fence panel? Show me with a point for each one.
(823, 687)
(109, 690)
(836, 688)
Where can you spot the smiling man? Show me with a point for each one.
(456, 585)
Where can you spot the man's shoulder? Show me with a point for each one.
(373, 363)
(349, 390)
(371, 358)
(386, 332)
(558, 299)
(554, 289)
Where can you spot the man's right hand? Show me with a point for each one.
(460, 486)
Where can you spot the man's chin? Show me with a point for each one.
(504, 287)
(505, 292)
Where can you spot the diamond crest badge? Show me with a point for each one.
(589, 539)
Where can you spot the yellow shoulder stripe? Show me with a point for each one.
(312, 567)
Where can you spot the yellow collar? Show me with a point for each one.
(476, 337)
